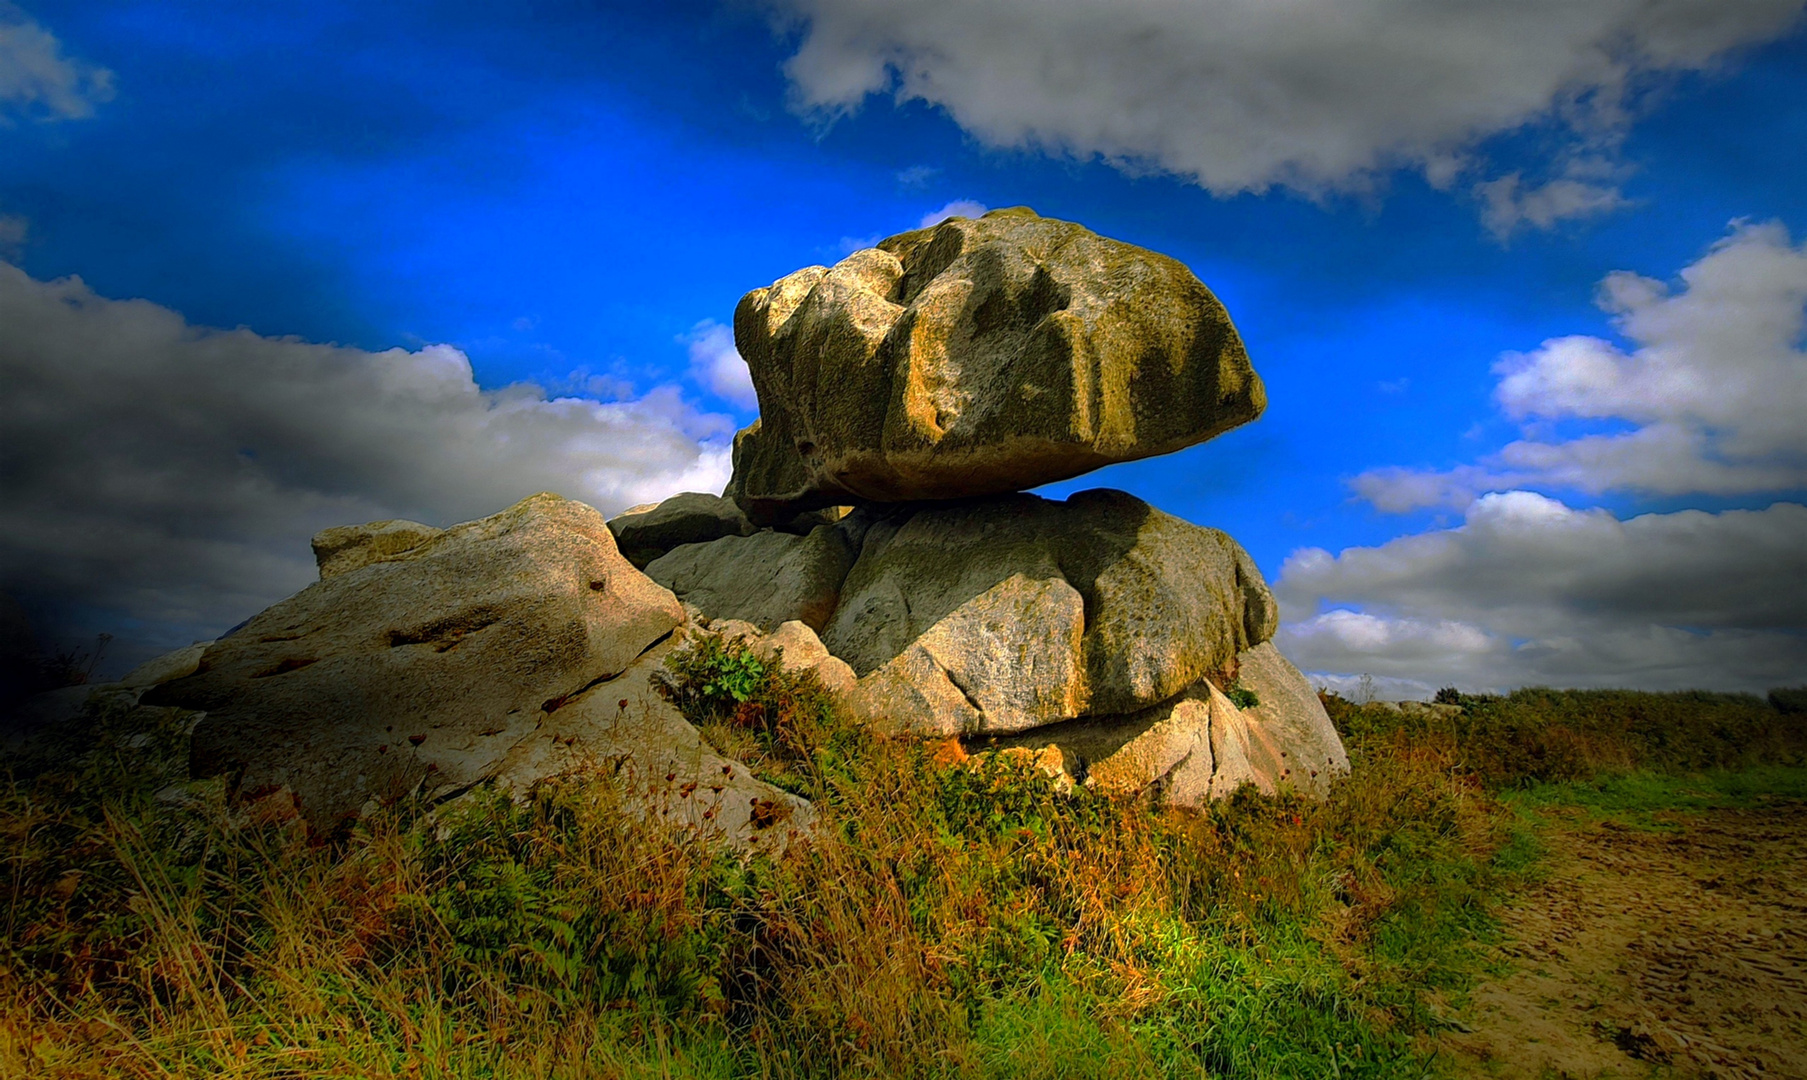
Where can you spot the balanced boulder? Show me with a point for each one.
(978, 357)
(420, 672)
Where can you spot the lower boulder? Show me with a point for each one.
(1002, 614)
(1010, 658)
(419, 673)
(1200, 745)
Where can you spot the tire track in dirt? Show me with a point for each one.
(1653, 953)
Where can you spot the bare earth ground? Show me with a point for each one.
(1653, 953)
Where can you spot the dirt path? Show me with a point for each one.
(1654, 953)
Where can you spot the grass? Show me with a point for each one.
(1652, 800)
(954, 918)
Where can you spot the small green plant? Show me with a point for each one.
(1242, 697)
(711, 678)
(739, 677)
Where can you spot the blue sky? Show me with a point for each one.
(569, 195)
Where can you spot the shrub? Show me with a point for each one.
(1791, 700)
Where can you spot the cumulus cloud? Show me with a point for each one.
(1509, 204)
(163, 480)
(1713, 389)
(717, 364)
(37, 80)
(1241, 95)
(1530, 591)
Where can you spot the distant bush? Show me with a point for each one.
(1538, 734)
(1789, 699)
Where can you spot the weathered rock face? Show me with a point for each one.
(1289, 710)
(1003, 614)
(978, 358)
(645, 533)
(766, 579)
(1010, 658)
(348, 547)
(662, 768)
(1200, 746)
(422, 671)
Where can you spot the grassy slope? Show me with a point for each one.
(957, 919)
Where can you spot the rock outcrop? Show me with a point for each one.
(924, 383)
(928, 381)
(420, 672)
(979, 357)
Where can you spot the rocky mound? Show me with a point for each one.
(876, 533)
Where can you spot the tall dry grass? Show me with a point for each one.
(951, 918)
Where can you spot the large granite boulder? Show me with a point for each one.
(975, 358)
(1003, 614)
(420, 672)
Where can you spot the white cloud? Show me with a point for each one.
(958, 208)
(1240, 95)
(917, 175)
(1528, 591)
(163, 480)
(850, 244)
(1508, 204)
(1714, 388)
(37, 80)
(717, 364)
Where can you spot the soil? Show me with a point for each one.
(1675, 951)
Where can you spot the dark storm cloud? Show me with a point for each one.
(167, 477)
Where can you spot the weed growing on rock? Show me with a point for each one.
(782, 723)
